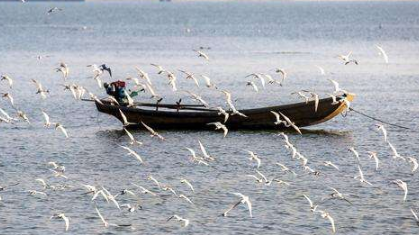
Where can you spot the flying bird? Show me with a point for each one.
(8, 79)
(219, 126)
(153, 132)
(402, 185)
(63, 217)
(104, 67)
(60, 127)
(244, 200)
(382, 53)
(185, 222)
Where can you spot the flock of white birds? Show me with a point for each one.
(143, 82)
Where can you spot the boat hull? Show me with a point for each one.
(302, 114)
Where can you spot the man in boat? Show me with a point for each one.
(117, 90)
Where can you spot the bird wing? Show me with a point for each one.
(124, 118)
(101, 217)
(232, 207)
(332, 222)
(129, 135)
(414, 214)
(309, 200)
(63, 130)
(383, 53)
(203, 150)
(67, 222)
(47, 120)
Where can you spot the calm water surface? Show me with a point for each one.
(245, 37)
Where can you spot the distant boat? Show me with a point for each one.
(172, 116)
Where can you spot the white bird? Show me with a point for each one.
(337, 88)
(334, 99)
(34, 193)
(133, 153)
(329, 163)
(382, 53)
(40, 89)
(208, 82)
(381, 128)
(143, 75)
(312, 206)
(221, 111)
(144, 190)
(63, 217)
(374, 155)
(124, 119)
(185, 222)
(254, 157)
(402, 185)
(47, 123)
(269, 77)
(168, 188)
(185, 181)
(42, 181)
(8, 79)
(94, 97)
(361, 176)
(290, 123)
(345, 58)
(63, 69)
(244, 200)
(219, 126)
(324, 214)
(96, 70)
(103, 219)
(258, 76)
(396, 155)
(277, 118)
(154, 180)
(61, 128)
(23, 116)
(202, 54)
(322, 72)
(285, 168)
(302, 95)
(111, 197)
(414, 161)
(352, 149)
(172, 80)
(193, 154)
(102, 193)
(153, 132)
(415, 215)
(251, 83)
(190, 75)
(204, 151)
(284, 75)
(131, 137)
(53, 10)
(198, 98)
(9, 97)
(186, 198)
(316, 100)
(160, 68)
(8, 118)
(338, 195)
(151, 90)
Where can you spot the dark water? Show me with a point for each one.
(245, 37)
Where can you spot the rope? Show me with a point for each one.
(376, 119)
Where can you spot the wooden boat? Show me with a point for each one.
(169, 116)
